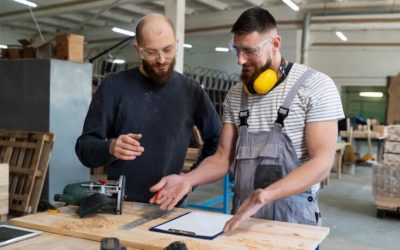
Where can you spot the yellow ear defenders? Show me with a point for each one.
(266, 81)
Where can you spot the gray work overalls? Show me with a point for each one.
(265, 157)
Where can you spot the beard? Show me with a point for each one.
(248, 78)
(158, 78)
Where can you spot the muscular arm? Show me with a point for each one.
(321, 143)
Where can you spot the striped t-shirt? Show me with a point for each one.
(317, 100)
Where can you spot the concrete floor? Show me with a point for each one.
(348, 210)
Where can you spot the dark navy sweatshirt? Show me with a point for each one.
(128, 102)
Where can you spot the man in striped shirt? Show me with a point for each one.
(282, 142)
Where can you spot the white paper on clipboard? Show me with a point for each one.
(195, 224)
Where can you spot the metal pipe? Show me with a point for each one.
(305, 37)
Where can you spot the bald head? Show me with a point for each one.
(153, 25)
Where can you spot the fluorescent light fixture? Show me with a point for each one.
(221, 49)
(291, 4)
(3, 46)
(119, 61)
(189, 46)
(122, 31)
(371, 94)
(30, 4)
(341, 36)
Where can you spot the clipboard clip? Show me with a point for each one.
(182, 232)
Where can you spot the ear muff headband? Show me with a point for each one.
(266, 80)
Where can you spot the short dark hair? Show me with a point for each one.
(254, 19)
(140, 24)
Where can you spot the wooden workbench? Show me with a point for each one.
(359, 136)
(252, 234)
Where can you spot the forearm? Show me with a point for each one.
(93, 152)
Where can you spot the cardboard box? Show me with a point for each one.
(27, 50)
(380, 129)
(14, 52)
(69, 47)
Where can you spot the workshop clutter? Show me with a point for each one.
(63, 47)
(27, 154)
(24, 50)
(386, 175)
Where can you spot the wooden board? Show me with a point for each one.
(389, 203)
(4, 172)
(252, 234)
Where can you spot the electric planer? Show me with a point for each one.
(94, 197)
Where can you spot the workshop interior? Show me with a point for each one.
(61, 58)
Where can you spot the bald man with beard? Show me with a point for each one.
(140, 120)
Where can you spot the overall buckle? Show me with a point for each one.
(282, 114)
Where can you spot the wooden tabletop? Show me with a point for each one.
(363, 135)
(251, 234)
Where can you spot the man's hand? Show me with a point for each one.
(126, 147)
(249, 207)
(170, 190)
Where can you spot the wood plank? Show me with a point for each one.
(41, 171)
(390, 203)
(4, 176)
(252, 234)
(18, 144)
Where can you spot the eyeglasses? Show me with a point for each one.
(249, 52)
(150, 54)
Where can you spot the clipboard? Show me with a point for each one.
(195, 224)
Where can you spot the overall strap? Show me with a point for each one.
(283, 110)
(243, 115)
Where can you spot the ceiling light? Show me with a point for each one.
(341, 36)
(122, 31)
(221, 49)
(291, 4)
(30, 4)
(371, 94)
(3, 46)
(189, 46)
(119, 61)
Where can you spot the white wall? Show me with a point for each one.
(357, 64)
(9, 36)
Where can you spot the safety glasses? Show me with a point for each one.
(167, 52)
(249, 52)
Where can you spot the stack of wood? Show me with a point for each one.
(386, 175)
(27, 154)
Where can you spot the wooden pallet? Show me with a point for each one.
(28, 154)
(386, 205)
